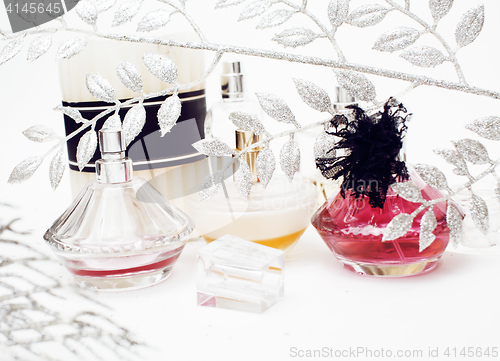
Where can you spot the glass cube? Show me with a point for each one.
(240, 275)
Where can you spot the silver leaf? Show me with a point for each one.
(357, 85)
(409, 191)
(256, 8)
(168, 113)
(487, 127)
(428, 224)
(313, 95)
(161, 67)
(212, 147)
(265, 164)
(210, 186)
(296, 37)
(11, 50)
(275, 18)
(39, 46)
(455, 224)
(473, 151)
(113, 122)
(367, 15)
(134, 122)
(56, 169)
(39, 133)
(72, 113)
(452, 157)
(247, 121)
(290, 158)
(398, 227)
(129, 76)
(276, 108)
(323, 146)
(86, 148)
(432, 176)
(87, 11)
(243, 179)
(460, 171)
(70, 48)
(102, 5)
(396, 39)
(338, 10)
(424, 56)
(479, 212)
(226, 3)
(126, 11)
(439, 8)
(100, 88)
(24, 170)
(154, 20)
(469, 26)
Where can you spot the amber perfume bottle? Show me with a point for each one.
(354, 222)
(275, 216)
(120, 232)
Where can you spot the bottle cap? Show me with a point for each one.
(112, 143)
(113, 167)
(232, 80)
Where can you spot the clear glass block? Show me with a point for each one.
(240, 275)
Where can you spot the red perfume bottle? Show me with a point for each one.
(353, 222)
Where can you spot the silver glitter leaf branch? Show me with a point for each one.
(56, 169)
(396, 39)
(455, 224)
(479, 213)
(168, 113)
(453, 157)
(439, 8)
(70, 48)
(296, 37)
(276, 108)
(275, 18)
(357, 85)
(72, 113)
(243, 179)
(113, 122)
(367, 15)
(266, 165)
(472, 151)
(338, 10)
(39, 46)
(126, 12)
(129, 76)
(409, 191)
(488, 127)
(134, 122)
(428, 224)
(100, 88)
(290, 158)
(24, 170)
(210, 186)
(86, 148)
(313, 95)
(39, 133)
(424, 56)
(87, 11)
(213, 147)
(246, 121)
(398, 227)
(432, 176)
(469, 26)
(256, 8)
(154, 20)
(227, 3)
(11, 50)
(161, 67)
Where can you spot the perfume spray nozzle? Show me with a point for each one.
(113, 167)
(112, 143)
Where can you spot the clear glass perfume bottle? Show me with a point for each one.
(120, 232)
(217, 122)
(275, 216)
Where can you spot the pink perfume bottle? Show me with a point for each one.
(353, 222)
(120, 232)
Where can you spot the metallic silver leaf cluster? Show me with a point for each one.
(357, 85)
(487, 127)
(134, 122)
(367, 15)
(469, 26)
(428, 224)
(161, 67)
(129, 76)
(56, 169)
(126, 11)
(296, 37)
(314, 96)
(480, 214)
(338, 10)
(275, 18)
(246, 121)
(439, 8)
(396, 39)
(409, 191)
(39, 46)
(265, 164)
(243, 179)
(154, 20)
(24, 170)
(213, 147)
(455, 224)
(210, 186)
(276, 108)
(10, 50)
(472, 151)
(86, 148)
(290, 158)
(39, 133)
(100, 88)
(432, 176)
(87, 11)
(424, 56)
(398, 227)
(256, 8)
(169, 113)
(70, 48)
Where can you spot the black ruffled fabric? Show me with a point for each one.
(370, 146)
